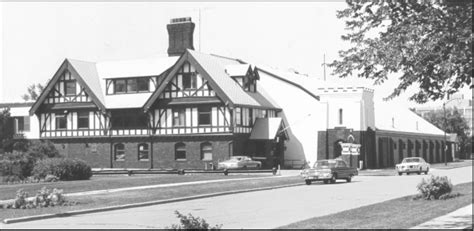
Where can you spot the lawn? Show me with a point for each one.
(146, 195)
(115, 181)
(400, 213)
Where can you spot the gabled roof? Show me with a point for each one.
(84, 73)
(237, 69)
(404, 120)
(213, 69)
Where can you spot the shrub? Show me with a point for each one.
(192, 223)
(43, 198)
(51, 178)
(43, 149)
(434, 187)
(63, 168)
(18, 164)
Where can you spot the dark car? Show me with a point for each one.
(329, 171)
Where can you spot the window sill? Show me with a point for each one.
(144, 160)
(181, 160)
(119, 160)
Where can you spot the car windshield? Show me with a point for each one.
(325, 164)
(236, 158)
(411, 160)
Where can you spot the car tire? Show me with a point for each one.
(325, 181)
(408, 173)
(349, 179)
(427, 170)
(245, 167)
(258, 166)
(419, 172)
(333, 179)
(400, 173)
(308, 182)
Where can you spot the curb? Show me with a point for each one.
(134, 205)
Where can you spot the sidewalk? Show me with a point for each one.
(459, 219)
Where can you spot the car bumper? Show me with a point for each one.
(404, 170)
(318, 177)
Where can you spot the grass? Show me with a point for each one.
(136, 196)
(400, 213)
(114, 181)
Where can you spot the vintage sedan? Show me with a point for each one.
(329, 171)
(413, 164)
(239, 162)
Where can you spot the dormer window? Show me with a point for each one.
(128, 85)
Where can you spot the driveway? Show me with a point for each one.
(262, 209)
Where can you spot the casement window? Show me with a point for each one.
(120, 86)
(22, 124)
(189, 81)
(238, 116)
(70, 87)
(61, 121)
(143, 152)
(83, 120)
(131, 85)
(180, 151)
(128, 85)
(340, 116)
(119, 152)
(250, 116)
(204, 115)
(142, 84)
(206, 151)
(178, 117)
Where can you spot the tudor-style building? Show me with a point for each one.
(183, 110)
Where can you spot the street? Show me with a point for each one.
(262, 209)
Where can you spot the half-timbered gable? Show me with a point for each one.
(187, 82)
(67, 90)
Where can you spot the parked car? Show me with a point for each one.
(329, 171)
(412, 164)
(239, 162)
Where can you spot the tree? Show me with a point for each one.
(428, 43)
(34, 90)
(455, 123)
(6, 129)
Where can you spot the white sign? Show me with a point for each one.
(350, 149)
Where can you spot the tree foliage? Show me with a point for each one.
(455, 123)
(427, 43)
(6, 128)
(34, 90)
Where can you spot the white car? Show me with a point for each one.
(413, 164)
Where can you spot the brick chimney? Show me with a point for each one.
(180, 32)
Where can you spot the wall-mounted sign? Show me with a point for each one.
(350, 149)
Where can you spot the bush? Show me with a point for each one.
(17, 164)
(43, 149)
(43, 198)
(192, 223)
(435, 187)
(63, 168)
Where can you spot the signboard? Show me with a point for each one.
(350, 149)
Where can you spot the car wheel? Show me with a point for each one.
(349, 179)
(245, 167)
(333, 179)
(258, 166)
(400, 173)
(408, 173)
(308, 182)
(427, 170)
(325, 181)
(419, 172)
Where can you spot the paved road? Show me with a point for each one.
(263, 209)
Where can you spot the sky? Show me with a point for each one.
(38, 36)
